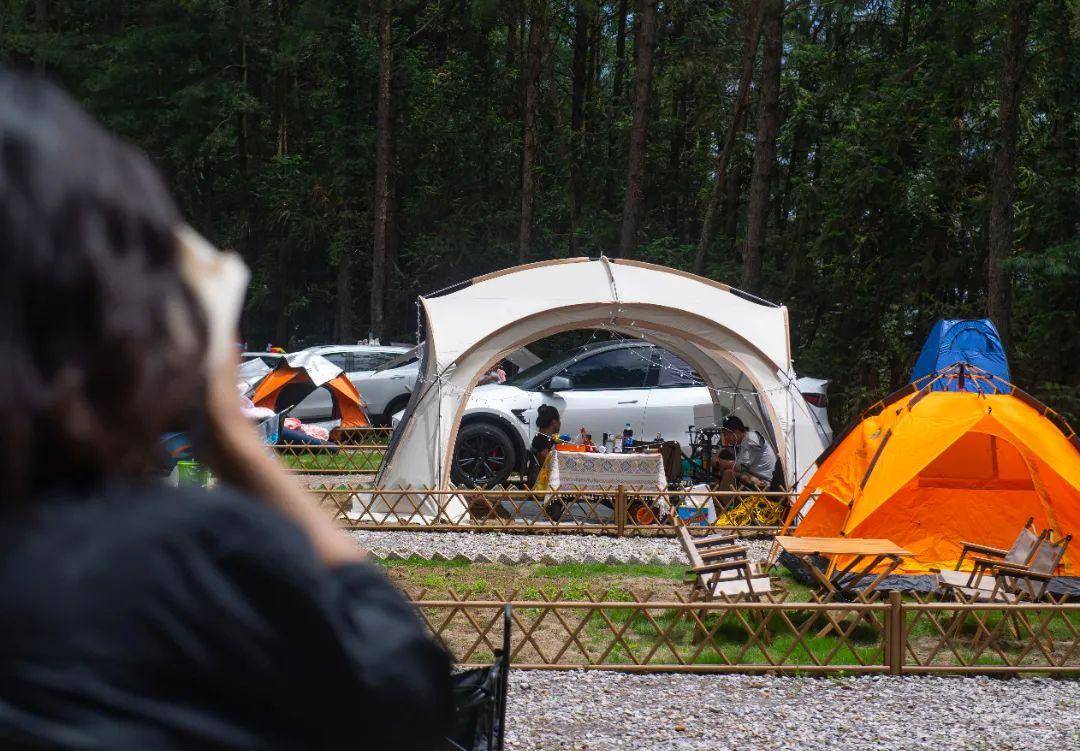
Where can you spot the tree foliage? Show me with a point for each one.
(262, 113)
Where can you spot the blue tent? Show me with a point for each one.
(972, 341)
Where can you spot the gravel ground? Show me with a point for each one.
(319, 482)
(506, 548)
(601, 711)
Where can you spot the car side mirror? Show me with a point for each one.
(560, 383)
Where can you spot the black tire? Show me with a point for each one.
(396, 404)
(483, 457)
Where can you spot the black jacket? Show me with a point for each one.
(157, 618)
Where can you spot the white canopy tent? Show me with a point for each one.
(739, 345)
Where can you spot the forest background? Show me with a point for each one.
(872, 165)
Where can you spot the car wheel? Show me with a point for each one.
(396, 405)
(484, 456)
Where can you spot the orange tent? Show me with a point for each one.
(929, 469)
(296, 378)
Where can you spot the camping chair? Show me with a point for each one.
(479, 722)
(985, 557)
(1012, 582)
(719, 568)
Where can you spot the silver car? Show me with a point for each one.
(602, 387)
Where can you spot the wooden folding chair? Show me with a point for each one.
(719, 568)
(984, 557)
(1010, 581)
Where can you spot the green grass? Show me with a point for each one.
(571, 581)
(343, 461)
(729, 637)
(589, 571)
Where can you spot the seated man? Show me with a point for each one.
(754, 459)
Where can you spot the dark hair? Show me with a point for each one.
(92, 369)
(732, 422)
(545, 415)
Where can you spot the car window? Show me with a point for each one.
(615, 369)
(371, 360)
(531, 372)
(341, 359)
(674, 371)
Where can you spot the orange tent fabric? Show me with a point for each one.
(932, 469)
(347, 402)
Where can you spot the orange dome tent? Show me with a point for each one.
(297, 375)
(929, 469)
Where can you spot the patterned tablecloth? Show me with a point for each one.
(573, 470)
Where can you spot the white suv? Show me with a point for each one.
(601, 387)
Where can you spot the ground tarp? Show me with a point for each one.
(935, 468)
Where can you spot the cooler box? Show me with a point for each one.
(702, 513)
(694, 516)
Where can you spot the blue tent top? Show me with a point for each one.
(972, 341)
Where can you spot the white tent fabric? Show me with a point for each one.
(319, 369)
(252, 371)
(736, 342)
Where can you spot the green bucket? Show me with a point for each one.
(191, 473)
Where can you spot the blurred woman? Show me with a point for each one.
(133, 615)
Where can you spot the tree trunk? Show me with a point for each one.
(615, 106)
(382, 172)
(733, 191)
(344, 329)
(757, 213)
(635, 169)
(675, 158)
(905, 24)
(41, 26)
(537, 12)
(620, 56)
(392, 321)
(999, 290)
(577, 120)
(1063, 138)
(510, 49)
(593, 61)
(281, 293)
(738, 118)
(242, 156)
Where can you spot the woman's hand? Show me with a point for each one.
(236, 454)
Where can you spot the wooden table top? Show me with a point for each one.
(840, 546)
